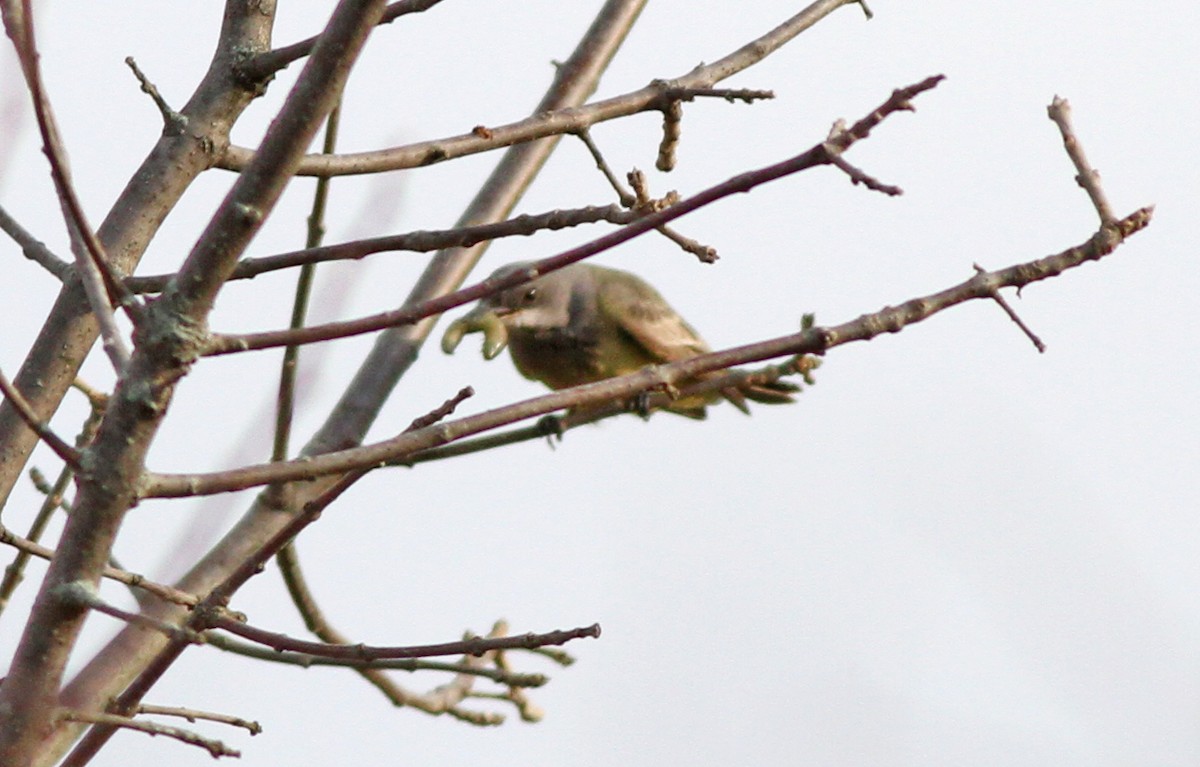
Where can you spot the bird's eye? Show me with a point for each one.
(530, 295)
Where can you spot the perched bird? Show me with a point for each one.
(584, 323)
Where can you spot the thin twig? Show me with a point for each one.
(1012, 315)
(557, 122)
(13, 574)
(627, 198)
(84, 595)
(214, 747)
(266, 64)
(645, 203)
(68, 454)
(420, 241)
(475, 646)
(286, 398)
(135, 580)
(857, 177)
(811, 341)
(820, 154)
(305, 660)
(33, 248)
(557, 426)
(194, 715)
(173, 122)
(101, 286)
(1086, 176)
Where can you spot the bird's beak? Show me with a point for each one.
(481, 319)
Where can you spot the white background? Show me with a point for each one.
(952, 550)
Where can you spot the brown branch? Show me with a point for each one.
(672, 127)
(134, 580)
(420, 241)
(194, 715)
(34, 249)
(306, 603)
(627, 198)
(84, 595)
(214, 747)
(662, 377)
(857, 177)
(475, 646)
(154, 188)
(68, 454)
(143, 394)
(821, 154)
(14, 573)
(1087, 177)
(655, 96)
(268, 63)
(173, 122)
(645, 203)
(304, 660)
(122, 665)
(1012, 315)
(99, 282)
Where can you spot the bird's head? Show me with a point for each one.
(541, 304)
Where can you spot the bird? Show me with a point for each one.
(585, 323)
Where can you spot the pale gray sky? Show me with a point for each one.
(952, 550)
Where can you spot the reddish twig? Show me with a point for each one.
(821, 154)
(663, 377)
(474, 646)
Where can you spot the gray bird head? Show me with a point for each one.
(540, 304)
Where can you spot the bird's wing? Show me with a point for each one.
(643, 314)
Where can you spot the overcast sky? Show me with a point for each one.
(952, 550)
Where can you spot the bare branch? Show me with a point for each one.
(84, 595)
(820, 154)
(645, 203)
(304, 660)
(99, 282)
(662, 377)
(193, 715)
(266, 64)
(475, 646)
(671, 128)
(421, 241)
(1012, 315)
(68, 454)
(627, 198)
(134, 580)
(143, 394)
(172, 121)
(655, 96)
(214, 747)
(33, 248)
(1087, 177)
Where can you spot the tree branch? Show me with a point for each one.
(474, 646)
(658, 95)
(820, 154)
(420, 241)
(812, 341)
(214, 747)
(68, 454)
(143, 393)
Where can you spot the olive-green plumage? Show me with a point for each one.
(584, 323)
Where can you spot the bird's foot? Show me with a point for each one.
(551, 427)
